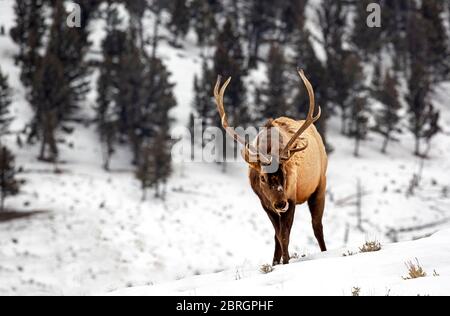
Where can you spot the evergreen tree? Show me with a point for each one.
(274, 95)
(28, 33)
(368, 40)
(332, 21)
(5, 102)
(153, 132)
(229, 62)
(48, 99)
(9, 186)
(259, 21)
(438, 51)
(137, 9)
(292, 18)
(355, 100)
(113, 46)
(130, 97)
(144, 171)
(59, 83)
(388, 118)
(204, 107)
(423, 118)
(358, 123)
(306, 59)
(204, 21)
(179, 22)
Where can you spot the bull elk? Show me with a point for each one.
(300, 174)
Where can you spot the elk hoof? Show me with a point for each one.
(286, 261)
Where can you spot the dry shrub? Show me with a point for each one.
(266, 268)
(371, 246)
(415, 270)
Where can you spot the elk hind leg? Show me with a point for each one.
(317, 206)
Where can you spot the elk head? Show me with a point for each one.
(269, 154)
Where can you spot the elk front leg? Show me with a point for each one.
(275, 219)
(286, 221)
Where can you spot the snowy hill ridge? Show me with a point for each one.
(374, 274)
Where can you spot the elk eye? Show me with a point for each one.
(263, 179)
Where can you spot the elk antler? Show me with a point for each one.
(288, 152)
(250, 149)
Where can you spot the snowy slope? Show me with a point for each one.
(96, 235)
(375, 274)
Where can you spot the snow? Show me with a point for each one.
(95, 235)
(375, 274)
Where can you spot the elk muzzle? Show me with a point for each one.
(281, 206)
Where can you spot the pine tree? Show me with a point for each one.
(423, 118)
(306, 59)
(179, 22)
(59, 83)
(5, 102)
(204, 107)
(113, 46)
(144, 171)
(9, 186)
(368, 40)
(259, 21)
(438, 49)
(358, 123)
(388, 118)
(203, 20)
(332, 20)
(229, 62)
(28, 33)
(130, 98)
(137, 9)
(292, 18)
(355, 100)
(274, 94)
(48, 100)
(153, 132)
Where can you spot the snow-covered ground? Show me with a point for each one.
(95, 234)
(377, 273)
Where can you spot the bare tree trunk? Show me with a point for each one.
(144, 193)
(347, 234)
(385, 144)
(359, 205)
(343, 124)
(2, 200)
(417, 146)
(156, 32)
(357, 144)
(42, 150)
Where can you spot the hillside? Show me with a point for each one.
(94, 234)
(374, 274)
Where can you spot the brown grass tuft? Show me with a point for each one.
(371, 246)
(266, 268)
(356, 291)
(415, 270)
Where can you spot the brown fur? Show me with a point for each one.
(303, 179)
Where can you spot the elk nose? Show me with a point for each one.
(280, 206)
